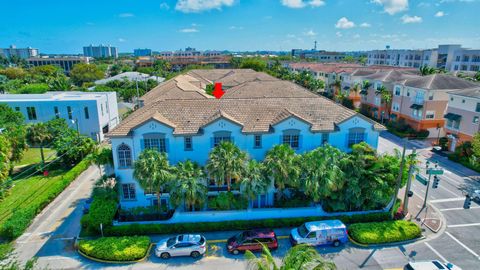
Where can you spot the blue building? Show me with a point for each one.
(142, 52)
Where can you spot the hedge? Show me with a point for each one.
(142, 229)
(21, 217)
(116, 248)
(102, 211)
(384, 232)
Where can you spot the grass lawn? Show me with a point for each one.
(32, 156)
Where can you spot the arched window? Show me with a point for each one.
(124, 156)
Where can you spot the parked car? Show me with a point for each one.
(431, 265)
(252, 240)
(476, 195)
(192, 245)
(86, 205)
(326, 232)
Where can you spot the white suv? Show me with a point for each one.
(193, 245)
(431, 265)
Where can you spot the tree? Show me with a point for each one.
(253, 182)
(281, 164)
(33, 88)
(5, 154)
(477, 76)
(476, 145)
(13, 125)
(84, 73)
(225, 162)
(426, 70)
(46, 71)
(256, 64)
(60, 83)
(321, 172)
(153, 172)
(189, 186)
(386, 98)
(102, 156)
(13, 73)
(365, 86)
(38, 134)
(73, 147)
(299, 257)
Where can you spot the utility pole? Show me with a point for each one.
(409, 183)
(400, 174)
(138, 95)
(428, 183)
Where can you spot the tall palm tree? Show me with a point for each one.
(189, 187)
(321, 172)
(39, 134)
(365, 86)
(300, 257)
(337, 85)
(253, 182)
(225, 162)
(102, 156)
(281, 164)
(385, 97)
(426, 70)
(153, 172)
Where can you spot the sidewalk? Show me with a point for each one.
(428, 218)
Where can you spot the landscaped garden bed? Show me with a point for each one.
(119, 249)
(149, 213)
(384, 232)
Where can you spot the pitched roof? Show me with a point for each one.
(392, 75)
(440, 82)
(471, 92)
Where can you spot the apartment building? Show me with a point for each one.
(92, 113)
(23, 53)
(466, 61)
(256, 113)
(64, 62)
(319, 55)
(100, 51)
(463, 116)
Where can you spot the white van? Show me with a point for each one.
(326, 232)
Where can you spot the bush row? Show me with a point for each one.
(384, 232)
(142, 229)
(21, 218)
(116, 248)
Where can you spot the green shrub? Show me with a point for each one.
(116, 248)
(17, 223)
(141, 229)
(102, 211)
(5, 250)
(227, 201)
(384, 232)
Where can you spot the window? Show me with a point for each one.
(430, 115)
(475, 120)
(356, 135)
(32, 114)
(478, 107)
(397, 91)
(408, 93)
(87, 115)
(128, 191)
(430, 96)
(325, 138)
(157, 143)
(17, 109)
(453, 124)
(257, 141)
(395, 107)
(457, 58)
(187, 142)
(221, 136)
(56, 112)
(69, 111)
(292, 138)
(124, 156)
(463, 100)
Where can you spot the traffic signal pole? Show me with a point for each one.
(409, 183)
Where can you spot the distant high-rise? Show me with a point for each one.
(142, 52)
(100, 51)
(23, 53)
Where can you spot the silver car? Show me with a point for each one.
(193, 245)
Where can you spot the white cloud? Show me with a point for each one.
(302, 3)
(121, 40)
(365, 25)
(392, 6)
(440, 14)
(338, 34)
(233, 27)
(411, 19)
(195, 6)
(126, 15)
(344, 23)
(164, 5)
(291, 36)
(310, 33)
(188, 30)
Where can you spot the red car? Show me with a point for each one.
(252, 240)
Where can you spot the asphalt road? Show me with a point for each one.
(458, 242)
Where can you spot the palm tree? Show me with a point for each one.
(253, 182)
(226, 161)
(337, 85)
(385, 97)
(39, 134)
(300, 257)
(153, 172)
(281, 164)
(365, 86)
(321, 172)
(189, 187)
(102, 156)
(426, 70)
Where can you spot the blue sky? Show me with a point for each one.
(59, 26)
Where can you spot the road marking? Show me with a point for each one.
(458, 208)
(463, 245)
(463, 225)
(448, 200)
(436, 252)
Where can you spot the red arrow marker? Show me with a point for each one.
(218, 92)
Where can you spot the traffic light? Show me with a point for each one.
(436, 181)
(410, 193)
(467, 203)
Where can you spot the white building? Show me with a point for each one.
(23, 53)
(100, 51)
(131, 76)
(92, 113)
(466, 61)
(64, 62)
(256, 113)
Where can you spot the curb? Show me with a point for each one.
(401, 243)
(147, 254)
